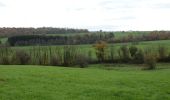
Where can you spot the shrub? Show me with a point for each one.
(5, 60)
(55, 61)
(112, 55)
(56, 57)
(162, 51)
(168, 58)
(21, 57)
(150, 61)
(139, 57)
(124, 53)
(81, 60)
(70, 53)
(91, 59)
(100, 48)
(133, 50)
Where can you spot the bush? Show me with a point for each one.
(100, 48)
(5, 60)
(168, 58)
(21, 57)
(124, 53)
(133, 50)
(139, 57)
(90, 57)
(81, 60)
(150, 61)
(162, 51)
(112, 55)
(70, 53)
(55, 61)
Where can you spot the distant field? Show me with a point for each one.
(152, 44)
(121, 34)
(66, 34)
(3, 40)
(98, 82)
(117, 34)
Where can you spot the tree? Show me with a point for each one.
(124, 53)
(133, 50)
(100, 48)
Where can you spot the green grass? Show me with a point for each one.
(66, 34)
(89, 47)
(134, 33)
(3, 40)
(117, 34)
(120, 82)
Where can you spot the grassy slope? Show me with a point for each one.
(140, 44)
(87, 48)
(57, 83)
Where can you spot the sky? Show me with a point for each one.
(107, 15)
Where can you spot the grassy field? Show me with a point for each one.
(89, 47)
(3, 40)
(117, 34)
(122, 34)
(98, 82)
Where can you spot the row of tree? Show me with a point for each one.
(59, 40)
(7, 32)
(89, 38)
(73, 56)
(152, 36)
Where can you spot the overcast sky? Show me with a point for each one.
(91, 14)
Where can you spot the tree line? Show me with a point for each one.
(151, 36)
(7, 32)
(69, 56)
(58, 40)
(88, 38)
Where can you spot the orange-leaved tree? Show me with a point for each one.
(100, 48)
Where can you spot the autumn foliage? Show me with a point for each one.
(100, 50)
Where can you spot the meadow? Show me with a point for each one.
(136, 70)
(86, 47)
(97, 82)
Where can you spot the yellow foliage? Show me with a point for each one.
(100, 45)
